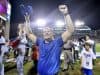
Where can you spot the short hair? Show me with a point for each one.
(87, 44)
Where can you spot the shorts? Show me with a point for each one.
(87, 71)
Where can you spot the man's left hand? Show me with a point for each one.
(63, 9)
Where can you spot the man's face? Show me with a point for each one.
(47, 33)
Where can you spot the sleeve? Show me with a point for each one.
(91, 42)
(93, 55)
(60, 41)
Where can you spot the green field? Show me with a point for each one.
(27, 66)
(77, 69)
(98, 47)
(10, 68)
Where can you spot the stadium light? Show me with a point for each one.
(41, 22)
(59, 23)
(79, 23)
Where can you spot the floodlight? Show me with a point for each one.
(59, 23)
(41, 22)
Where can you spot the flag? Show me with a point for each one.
(3, 7)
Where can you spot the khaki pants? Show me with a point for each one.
(68, 59)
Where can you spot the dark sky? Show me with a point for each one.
(85, 10)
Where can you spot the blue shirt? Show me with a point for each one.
(49, 56)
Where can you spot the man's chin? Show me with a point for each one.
(46, 38)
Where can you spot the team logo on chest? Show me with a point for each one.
(87, 55)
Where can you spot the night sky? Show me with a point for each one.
(85, 10)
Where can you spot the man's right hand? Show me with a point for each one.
(63, 9)
(27, 17)
(28, 30)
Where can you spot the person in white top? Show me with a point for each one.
(2, 51)
(87, 57)
(21, 51)
(76, 49)
(23, 41)
(68, 55)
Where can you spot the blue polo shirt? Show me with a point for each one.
(49, 56)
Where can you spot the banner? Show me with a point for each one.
(3, 7)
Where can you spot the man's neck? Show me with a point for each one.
(48, 40)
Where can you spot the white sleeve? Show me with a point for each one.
(93, 55)
(92, 42)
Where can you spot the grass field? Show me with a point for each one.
(27, 66)
(98, 47)
(10, 68)
(77, 69)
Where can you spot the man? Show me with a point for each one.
(76, 49)
(68, 55)
(50, 47)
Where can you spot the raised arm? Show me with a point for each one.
(28, 30)
(68, 22)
